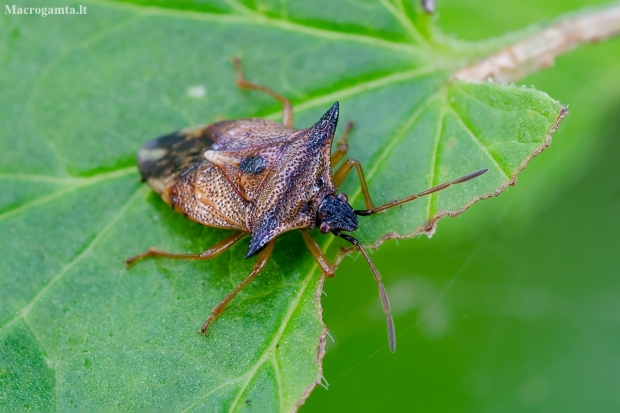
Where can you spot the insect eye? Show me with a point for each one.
(320, 182)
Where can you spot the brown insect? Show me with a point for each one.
(262, 178)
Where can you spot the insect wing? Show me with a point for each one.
(247, 150)
(247, 169)
(162, 161)
(175, 167)
(244, 134)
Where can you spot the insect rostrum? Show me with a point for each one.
(262, 178)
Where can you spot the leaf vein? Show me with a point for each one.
(276, 369)
(262, 20)
(393, 143)
(474, 138)
(87, 182)
(23, 313)
(240, 7)
(434, 163)
(71, 179)
(403, 21)
(331, 97)
(269, 350)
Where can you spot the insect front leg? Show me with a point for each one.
(319, 255)
(259, 264)
(343, 147)
(287, 109)
(329, 269)
(342, 173)
(214, 251)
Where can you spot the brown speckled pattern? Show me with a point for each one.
(205, 196)
(198, 172)
(246, 133)
(247, 184)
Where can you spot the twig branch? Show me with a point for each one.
(539, 50)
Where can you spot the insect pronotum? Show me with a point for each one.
(263, 178)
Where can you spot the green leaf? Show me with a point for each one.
(81, 94)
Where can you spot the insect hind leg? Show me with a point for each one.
(212, 252)
(243, 83)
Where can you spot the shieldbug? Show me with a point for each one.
(263, 178)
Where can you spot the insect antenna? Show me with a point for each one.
(423, 193)
(382, 293)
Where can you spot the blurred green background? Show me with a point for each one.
(515, 305)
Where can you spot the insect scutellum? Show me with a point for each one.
(263, 178)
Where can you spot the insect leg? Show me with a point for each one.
(329, 270)
(215, 250)
(342, 173)
(343, 147)
(384, 300)
(287, 109)
(318, 255)
(261, 260)
(373, 210)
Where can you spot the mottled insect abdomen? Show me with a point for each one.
(162, 160)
